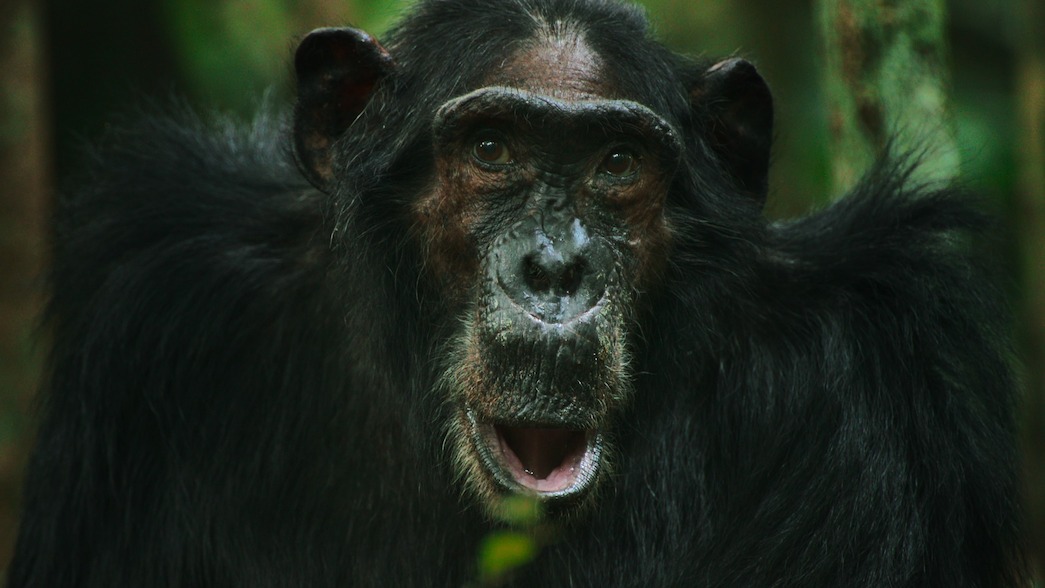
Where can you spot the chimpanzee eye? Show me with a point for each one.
(621, 163)
(492, 150)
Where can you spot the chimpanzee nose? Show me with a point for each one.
(549, 271)
(555, 274)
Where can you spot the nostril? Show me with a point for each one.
(572, 275)
(536, 277)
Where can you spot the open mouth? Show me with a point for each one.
(537, 459)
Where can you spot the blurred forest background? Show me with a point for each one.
(68, 66)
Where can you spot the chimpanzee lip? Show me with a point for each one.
(548, 460)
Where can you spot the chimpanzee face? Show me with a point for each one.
(540, 221)
(545, 216)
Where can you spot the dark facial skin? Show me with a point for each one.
(545, 218)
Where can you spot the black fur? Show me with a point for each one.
(241, 382)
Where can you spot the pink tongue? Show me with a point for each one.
(541, 451)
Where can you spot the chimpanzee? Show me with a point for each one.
(515, 250)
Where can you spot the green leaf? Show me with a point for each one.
(504, 551)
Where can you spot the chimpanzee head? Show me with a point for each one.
(546, 158)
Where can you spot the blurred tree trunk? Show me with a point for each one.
(23, 177)
(797, 181)
(1030, 221)
(886, 84)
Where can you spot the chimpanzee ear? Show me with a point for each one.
(740, 128)
(337, 69)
